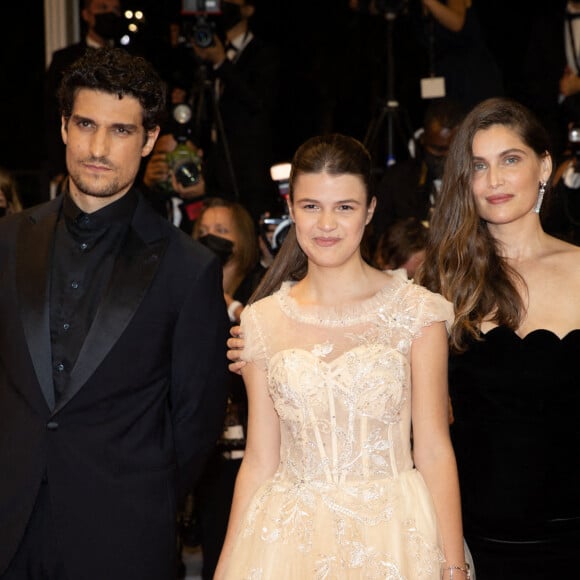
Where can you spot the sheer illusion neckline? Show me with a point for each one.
(342, 314)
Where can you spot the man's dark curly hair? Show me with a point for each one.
(115, 71)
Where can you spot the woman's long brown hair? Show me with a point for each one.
(463, 261)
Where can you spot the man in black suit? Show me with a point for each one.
(112, 350)
(103, 23)
(245, 74)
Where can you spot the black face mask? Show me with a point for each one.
(231, 15)
(220, 246)
(109, 25)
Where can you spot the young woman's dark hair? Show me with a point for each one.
(334, 154)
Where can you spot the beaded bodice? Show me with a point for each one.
(340, 379)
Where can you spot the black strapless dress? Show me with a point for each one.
(517, 440)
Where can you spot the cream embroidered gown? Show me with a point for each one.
(346, 502)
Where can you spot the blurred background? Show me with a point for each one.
(333, 66)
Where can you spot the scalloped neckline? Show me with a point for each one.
(531, 334)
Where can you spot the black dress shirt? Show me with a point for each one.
(85, 249)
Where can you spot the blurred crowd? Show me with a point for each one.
(407, 72)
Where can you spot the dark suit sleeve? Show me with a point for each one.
(199, 374)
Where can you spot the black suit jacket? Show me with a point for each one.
(144, 406)
(247, 107)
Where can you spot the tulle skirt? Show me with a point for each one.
(379, 529)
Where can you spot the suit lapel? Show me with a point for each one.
(34, 252)
(132, 274)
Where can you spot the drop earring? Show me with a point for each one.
(541, 192)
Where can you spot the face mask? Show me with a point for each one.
(220, 246)
(231, 15)
(109, 25)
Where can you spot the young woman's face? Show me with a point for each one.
(330, 213)
(506, 175)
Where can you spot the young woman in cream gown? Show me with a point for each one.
(343, 361)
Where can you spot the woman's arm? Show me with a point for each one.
(432, 449)
(261, 456)
(450, 15)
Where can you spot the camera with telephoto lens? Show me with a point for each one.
(184, 161)
(203, 28)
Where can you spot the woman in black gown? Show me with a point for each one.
(514, 375)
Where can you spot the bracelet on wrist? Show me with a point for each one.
(463, 568)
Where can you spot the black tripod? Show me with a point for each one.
(205, 91)
(389, 110)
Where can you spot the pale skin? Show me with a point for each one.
(105, 141)
(505, 186)
(330, 214)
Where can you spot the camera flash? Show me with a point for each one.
(280, 172)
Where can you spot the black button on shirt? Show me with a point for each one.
(85, 249)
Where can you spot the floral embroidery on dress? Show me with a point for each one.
(346, 501)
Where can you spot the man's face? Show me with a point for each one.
(436, 141)
(100, 7)
(234, 12)
(105, 141)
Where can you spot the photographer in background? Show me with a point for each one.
(244, 73)
(172, 176)
(561, 214)
(409, 188)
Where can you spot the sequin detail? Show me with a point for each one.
(346, 501)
